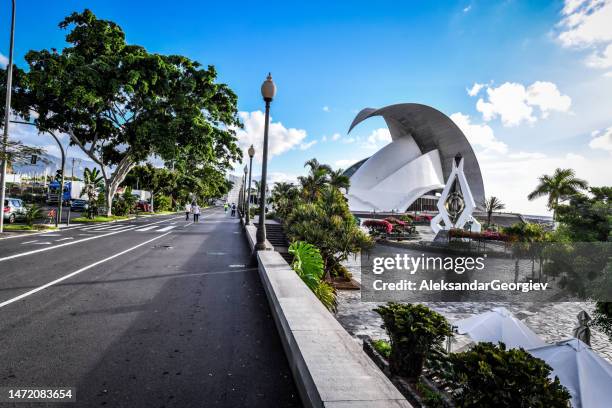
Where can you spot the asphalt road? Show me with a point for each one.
(155, 312)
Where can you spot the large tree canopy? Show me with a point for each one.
(121, 104)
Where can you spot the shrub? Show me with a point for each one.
(383, 347)
(414, 330)
(308, 264)
(491, 376)
(603, 317)
(327, 222)
(378, 226)
(162, 203)
(33, 212)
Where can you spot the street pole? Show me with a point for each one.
(248, 205)
(244, 195)
(268, 90)
(7, 117)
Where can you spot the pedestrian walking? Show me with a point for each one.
(233, 209)
(196, 212)
(187, 211)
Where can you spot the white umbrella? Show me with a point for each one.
(499, 325)
(586, 375)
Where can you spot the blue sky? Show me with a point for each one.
(546, 92)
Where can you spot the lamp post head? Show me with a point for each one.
(251, 151)
(246, 169)
(268, 89)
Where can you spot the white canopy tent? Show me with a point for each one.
(586, 375)
(499, 325)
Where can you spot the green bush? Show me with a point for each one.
(490, 376)
(383, 347)
(308, 264)
(33, 212)
(603, 317)
(162, 203)
(415, 331)
(327, 222)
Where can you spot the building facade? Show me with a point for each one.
(410, 171)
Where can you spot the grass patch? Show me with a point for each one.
(101, 218)
(21, 227)
(383, 347)
(155, 213)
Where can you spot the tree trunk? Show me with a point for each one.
(109, 194)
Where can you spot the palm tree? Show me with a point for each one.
(490, 205)
(316, 180)
(339, 180)
(559, 187)
(93, 183)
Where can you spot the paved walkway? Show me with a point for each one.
(176, 321)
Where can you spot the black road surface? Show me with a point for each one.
(154, 312)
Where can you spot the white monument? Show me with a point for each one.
(456, 203)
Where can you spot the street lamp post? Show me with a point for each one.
(7, 117)
(244, 194)
(248, 203)
(268, 90)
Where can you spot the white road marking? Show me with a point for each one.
(63, 278)
(28, 242)
(99, 228)
(166, 228)
(29, 234)
(6, 258)
(64, 239)
(237, 266)
(146, 228)
(185, 226)
(42, 243)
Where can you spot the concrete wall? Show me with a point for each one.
(329, 367)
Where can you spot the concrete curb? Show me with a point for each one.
(329, 367)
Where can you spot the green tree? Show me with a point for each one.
(284, 198)
(490, 376)
(339, 180)
(559, 187)
(316, 180)
(328, 224)
(491, 205)
(121, 104)
(156, 180)
(415, 332)
(93, 184)
(308, 264)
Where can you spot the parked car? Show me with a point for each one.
(79, 205)
(143, 206)
(14, 210)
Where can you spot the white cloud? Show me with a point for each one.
(602, 140)
(466, 9)
(281, 139)
(479, 135)
(513, 179)
(380, 135)
(608, 74)
(473, 91)
(3, 60)
(527, 155)
(324, 139)
(588, 24)
(601, 59)
(335, 136)
(307, 145)
(348, 140)
(514, 103)
(326, 108)
(345, 163)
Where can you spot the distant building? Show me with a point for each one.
(409, 172)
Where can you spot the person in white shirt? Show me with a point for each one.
(187, 211)
(196, 212)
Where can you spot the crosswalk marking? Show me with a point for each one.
(166, 228)
(146, 228)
